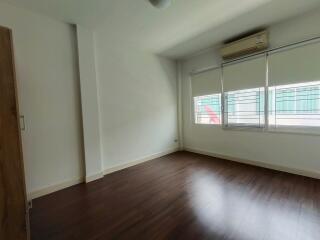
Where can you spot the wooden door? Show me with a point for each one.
(13, 214)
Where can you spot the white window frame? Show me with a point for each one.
(289, 129)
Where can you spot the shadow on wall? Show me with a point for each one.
(169, 67)
(78, 100)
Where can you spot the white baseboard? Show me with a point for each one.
(94, 177)
(139, 161)
(66, 184)
(306, 173)
(53, 188)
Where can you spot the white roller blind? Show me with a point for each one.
(245, 75)
(297, 65)
(206, 83)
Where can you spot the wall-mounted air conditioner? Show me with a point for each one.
(248, 45)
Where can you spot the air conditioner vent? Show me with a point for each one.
(248, 45)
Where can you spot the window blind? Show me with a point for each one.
(206, 83)
(245, 75)
(296, 65)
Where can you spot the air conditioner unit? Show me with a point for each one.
(248, 45)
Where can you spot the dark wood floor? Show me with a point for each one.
(183, 196)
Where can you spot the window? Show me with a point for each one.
(244, 86)
(208, 109)
(206, 93)
(245, 107)
(295, 105)
(294, 87)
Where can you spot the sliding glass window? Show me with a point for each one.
(244, 93)
(206, 94)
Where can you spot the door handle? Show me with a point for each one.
(22, 123)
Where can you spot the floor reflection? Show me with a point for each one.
(250, 211)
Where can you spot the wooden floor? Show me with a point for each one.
(183, 196)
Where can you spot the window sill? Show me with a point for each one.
(207, 124)
(245, 128)
(313, 131)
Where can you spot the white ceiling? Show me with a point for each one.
(185, 28)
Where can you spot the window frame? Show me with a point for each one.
(290, 129)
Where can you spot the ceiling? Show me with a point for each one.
(180, 30)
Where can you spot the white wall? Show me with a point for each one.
(48, 91)
(136, 104)
(89, 104)
(138, 100)
(134, 112)
(293, 151)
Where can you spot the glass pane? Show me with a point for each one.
(245, 107)
(208, 109)
(295, 104)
